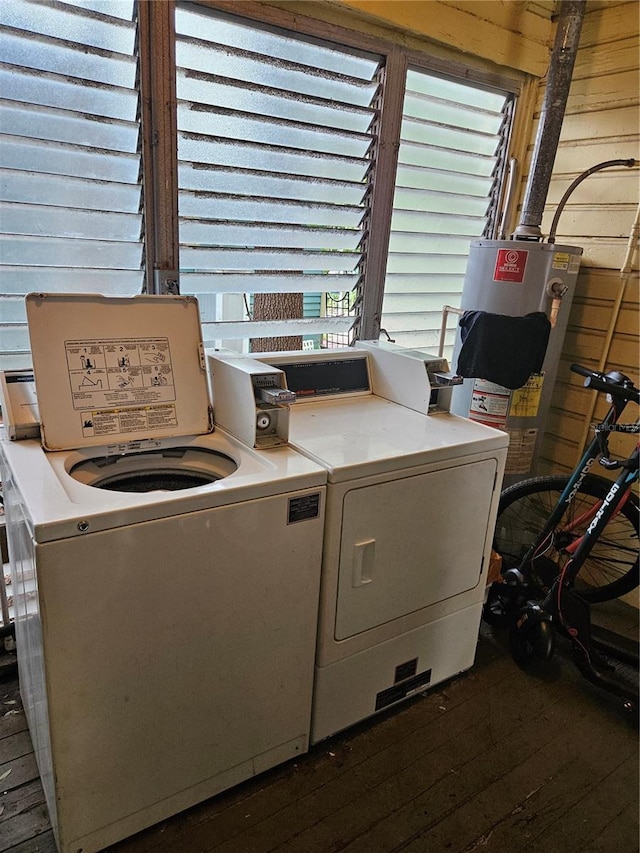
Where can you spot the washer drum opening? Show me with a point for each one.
(164, 470)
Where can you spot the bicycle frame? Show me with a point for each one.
(600, 513)
(554, 602)
(588, 516)
(572, 614)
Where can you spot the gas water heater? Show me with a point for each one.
(515, 278)
(526, 275)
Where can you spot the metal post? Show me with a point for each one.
(159, 144)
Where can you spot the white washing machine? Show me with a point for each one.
(166, 577)
(411, 502)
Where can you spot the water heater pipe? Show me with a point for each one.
(563, 59)
(629, 163)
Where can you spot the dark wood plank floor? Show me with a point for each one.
(495, 761)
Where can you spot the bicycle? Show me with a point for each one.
(570, 542)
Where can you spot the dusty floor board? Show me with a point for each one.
(493, 761)
(470, 787)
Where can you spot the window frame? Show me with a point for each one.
(158, 98)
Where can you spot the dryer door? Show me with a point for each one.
(411, 542)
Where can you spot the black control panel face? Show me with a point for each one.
(330, 376)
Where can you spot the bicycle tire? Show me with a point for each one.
(610, 570)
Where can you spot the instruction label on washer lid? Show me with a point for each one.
(119, 372)
(141, 446)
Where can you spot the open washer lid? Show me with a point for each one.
(117, 369)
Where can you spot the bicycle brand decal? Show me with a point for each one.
(613, 491)
(583, 474)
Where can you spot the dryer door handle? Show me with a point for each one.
(363, 559)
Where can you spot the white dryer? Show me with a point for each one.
(166, 577)
(411, 503)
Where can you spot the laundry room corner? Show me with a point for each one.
(319, 461)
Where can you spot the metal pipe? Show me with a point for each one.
(446, 310)
(608, 164)
(563, 59)
(509, 196)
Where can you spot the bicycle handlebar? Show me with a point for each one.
(614, 383)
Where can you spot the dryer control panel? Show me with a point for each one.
(410, 378)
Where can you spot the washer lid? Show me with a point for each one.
(117, 369)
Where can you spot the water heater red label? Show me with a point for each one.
(510, 265)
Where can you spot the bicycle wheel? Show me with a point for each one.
(610, 570)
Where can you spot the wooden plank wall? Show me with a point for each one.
(601, 123)
(491, 34)
(514, 34)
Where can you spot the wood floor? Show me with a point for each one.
(495, 760)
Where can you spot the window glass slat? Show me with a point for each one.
(57, 92)
(108, 33)
(210, 233)
(61, 126)
(61, 191)
(286, 211)
(63, 252)
(47, 221)
(36, 155)
(62, 57)
(245, 155)
(313, 263)
(281, 282)
(29, 279)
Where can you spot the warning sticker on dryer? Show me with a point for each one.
(110, 373)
